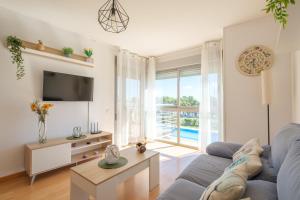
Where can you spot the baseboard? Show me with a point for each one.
(12, 176)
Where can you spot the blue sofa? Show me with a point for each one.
(279, 179)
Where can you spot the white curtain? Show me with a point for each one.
(131, 75)
(211, 102)
(150, 106)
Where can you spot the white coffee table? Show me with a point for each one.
(89, 179)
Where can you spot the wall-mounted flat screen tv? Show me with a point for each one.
(67, 87)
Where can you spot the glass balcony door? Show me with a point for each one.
(178, 97)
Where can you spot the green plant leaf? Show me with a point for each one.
(279, 10)
(15, 47)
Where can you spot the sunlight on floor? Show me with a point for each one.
(170, 150)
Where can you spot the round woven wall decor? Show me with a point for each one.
(255, 59)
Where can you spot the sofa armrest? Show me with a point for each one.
(223, 149)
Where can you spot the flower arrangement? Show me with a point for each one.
(88, 52)
(42, 111)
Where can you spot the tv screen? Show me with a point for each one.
(67, 87)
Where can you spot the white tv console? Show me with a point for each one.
(56, 153)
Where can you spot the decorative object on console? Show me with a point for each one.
(74, 138)
(68, 52)
(77, 132)
(255, 59)
(112, 154)
(95, 128)
(40, 46)
(112, 17)
(42, 111)
(15, 46)
(89, 53)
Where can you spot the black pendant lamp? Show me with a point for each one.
(112, 17)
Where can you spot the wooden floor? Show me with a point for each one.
(56, 185)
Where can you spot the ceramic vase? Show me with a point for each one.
(112, 154)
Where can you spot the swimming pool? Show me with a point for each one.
(193, 134)
(190, 134)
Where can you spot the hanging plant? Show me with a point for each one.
(14, 45)
(279, 10)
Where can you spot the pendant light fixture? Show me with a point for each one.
(112, 17)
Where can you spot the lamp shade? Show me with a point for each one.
(266, 86)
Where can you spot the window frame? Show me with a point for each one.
(177, 108)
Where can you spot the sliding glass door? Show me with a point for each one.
(177, 100)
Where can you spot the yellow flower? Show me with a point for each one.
(33, 107)
(46, 106)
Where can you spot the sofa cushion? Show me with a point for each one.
(261, 190)
(288, 181)
(282, 142)
(252, 147)
(222, 149)
(230, 186)
(205, 169)
(182, 190)
(267, 173)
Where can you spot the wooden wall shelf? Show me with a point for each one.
(53, 53)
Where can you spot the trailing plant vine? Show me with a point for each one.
(14, 45)
(279, 10)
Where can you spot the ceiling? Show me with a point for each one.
(155, 27)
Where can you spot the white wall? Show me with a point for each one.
(290, 44)
(296, 87)
(245, 116)
(18, 125)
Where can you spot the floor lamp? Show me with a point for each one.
(266, 90)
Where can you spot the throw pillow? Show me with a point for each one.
(252, 147)
(230, 186)
(252, 164)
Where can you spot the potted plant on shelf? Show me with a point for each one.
(67, 51)
(15, 47)
(88, 53)
(42, 111)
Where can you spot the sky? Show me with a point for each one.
(189, 86)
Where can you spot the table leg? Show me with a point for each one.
(154, 172)
(107, 191)
(32, 179)
(77, 193)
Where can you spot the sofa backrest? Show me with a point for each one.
(282, 142)
(288, 179)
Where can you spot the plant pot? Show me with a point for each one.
(89, 59)
(68, 55)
